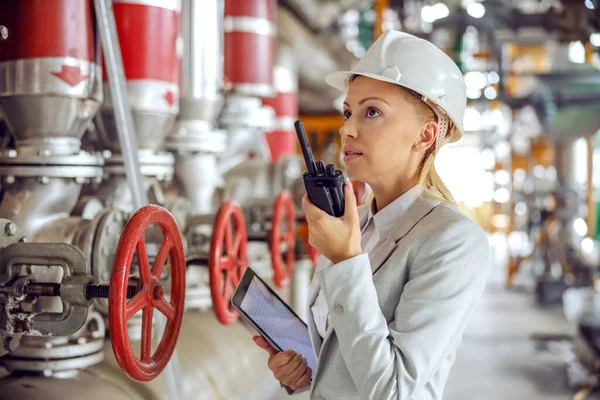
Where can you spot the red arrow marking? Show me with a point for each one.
(169, 98)
(70, 75)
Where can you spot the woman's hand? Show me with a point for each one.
(287, 366)
(336, 238)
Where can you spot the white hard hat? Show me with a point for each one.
(415, 64)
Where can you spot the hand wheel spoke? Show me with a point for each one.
(134, 305)
(146, 334)
(237, 245)
(161, 257)
(226, 263)
(143, 264)
(165, 308)
(227, 286)
(228, 239)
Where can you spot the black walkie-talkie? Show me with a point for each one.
(324, 185)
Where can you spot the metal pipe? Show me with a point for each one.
(591, 204)
(123, 117)
(202, 65)
(590, 200)
(380, 7)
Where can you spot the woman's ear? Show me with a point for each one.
(427, 136)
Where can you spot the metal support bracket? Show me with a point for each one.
(75, 279)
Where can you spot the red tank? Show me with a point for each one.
(249, 46)
(49, 68)
(148, 33)
(282, 139)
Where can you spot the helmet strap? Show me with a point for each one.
(443, 123)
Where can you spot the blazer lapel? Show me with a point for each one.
(415, 213)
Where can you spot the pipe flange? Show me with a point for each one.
(190, 140)
(156, 165)
(106, 238)
(77, 166)
(246, 112)
(83, 158)
(49, 146)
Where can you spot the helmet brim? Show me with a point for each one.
(341, 79)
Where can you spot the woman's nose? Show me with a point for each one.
(348, 130)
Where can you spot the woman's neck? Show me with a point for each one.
(385, 194)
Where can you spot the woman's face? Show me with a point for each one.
(381, 125)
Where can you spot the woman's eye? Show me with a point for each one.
(372, 113)
(347, 115)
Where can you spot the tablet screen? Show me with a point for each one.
(278, 322)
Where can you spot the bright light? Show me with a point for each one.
(352, 16)
(352, 45)
(502, 149)
(487, 158)
(428, 14)
(490, 93)
(358, 53)
(587, 245)
(577, 52)
(476, 10)
(520, 175)
(459, 169)
(472, 120)
(539, 172)
(493, 77)
(551, 173)
(521, 208)
(473, 94)
(475, 80)
(500, 221)
(580, 227)
(589, 4)
(502, 177)
(595, 39)
(441, 10)
(432, 13)
(502, 195)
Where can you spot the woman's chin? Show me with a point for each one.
(355, 173)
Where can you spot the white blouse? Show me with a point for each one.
(379, 225)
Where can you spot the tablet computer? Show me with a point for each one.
(272, 318)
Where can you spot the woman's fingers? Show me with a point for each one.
(281, 359)
(292, 379)
(263, 344)
(303, 381)
(287, 366)
(288, 373)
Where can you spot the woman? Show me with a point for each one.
(399, 277)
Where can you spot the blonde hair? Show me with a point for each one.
(433, 186)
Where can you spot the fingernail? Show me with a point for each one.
(348, 184)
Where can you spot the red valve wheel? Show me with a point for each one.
(228, 259)
(283, 261)
(150, 296)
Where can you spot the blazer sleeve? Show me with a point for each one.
(445, 280)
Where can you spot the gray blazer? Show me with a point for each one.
(397, 316)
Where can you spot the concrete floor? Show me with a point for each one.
(498, 359)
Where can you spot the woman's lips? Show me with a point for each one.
(349, 156)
